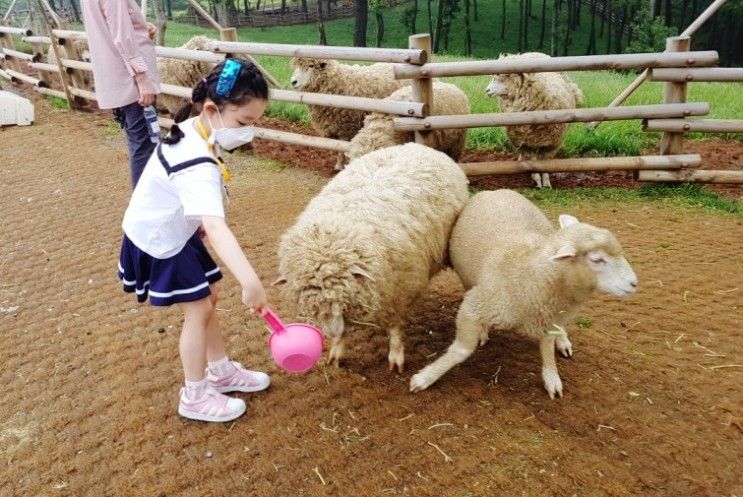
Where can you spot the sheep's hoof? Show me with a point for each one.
(335, 355)
(552, 383)
(564, 347)
(396, 360)
(419, 382)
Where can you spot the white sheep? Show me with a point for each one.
(182, 72)
(82, 49)
(535, 91)
(378, 131)
(330, 76)
(367, 245)
(521, 274)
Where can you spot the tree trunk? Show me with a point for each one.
(682, 21)
(527, 16)
(474, 4)
(620, 30)
(503, 20)
(591, 50)
(321, 25)
(467, 29)
(414, 18)
(304, 7)
(578, 10)
(380, 27)
(553, 26)
(439, 26)
(430, 19)
(75, 11)
(669, 13)
(359, 35)
(543, 30)
(160, 21)
(609, 32)
(605, 10)
(169, 7)
(520, 44)
(655, 7)
(283, 6)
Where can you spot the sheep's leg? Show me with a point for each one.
(469, 332)
(563, 345)
(337, 348)
(396, 356)
(537, 178)
(546, 181)
(552, 381)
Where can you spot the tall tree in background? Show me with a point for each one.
(467, 29)
(544, 24)
(503, 20)
(160, 21)
(378, 6)
(321, 25)
(553, 31)
(591, 49)
(359, 32)
(430, 19)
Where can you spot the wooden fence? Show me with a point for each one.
(676, 67)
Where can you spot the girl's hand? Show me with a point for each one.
(254, 296)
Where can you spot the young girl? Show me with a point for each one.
(177, 201)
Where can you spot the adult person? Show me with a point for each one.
(124, 70)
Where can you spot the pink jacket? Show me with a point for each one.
(119, 48)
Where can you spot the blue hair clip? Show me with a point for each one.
(227, 77)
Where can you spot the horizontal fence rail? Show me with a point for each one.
(729, 74)
(693, 176)
(581, 164)
(398, 55)
(574, 63)
(690, 125)
(551, 116)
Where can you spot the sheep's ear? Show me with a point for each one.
(565, 252)
(358, 271)
(567, 220)
(279, 281)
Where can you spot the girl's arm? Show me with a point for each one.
(228, 249)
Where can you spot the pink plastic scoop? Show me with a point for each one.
(295, 347)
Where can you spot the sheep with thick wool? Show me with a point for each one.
(378, 131)
(367, 245)
(521, 274)
(182, 72)
(329, 76)
(520, 92)
(82, 49)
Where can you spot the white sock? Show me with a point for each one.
(221, 367)
(195, 389)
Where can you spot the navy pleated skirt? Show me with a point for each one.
(185, 277)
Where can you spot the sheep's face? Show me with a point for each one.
(601, 253)
(325, 276)
(496, 88)
(304, 69)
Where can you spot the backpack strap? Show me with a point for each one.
(172, 169)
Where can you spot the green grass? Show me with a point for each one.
(683, 195)
(58, 103)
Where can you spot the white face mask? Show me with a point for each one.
(230, 138)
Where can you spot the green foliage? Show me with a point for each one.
(650, 35)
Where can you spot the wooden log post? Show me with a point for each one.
(423, 87)
(6, 40)
(674, 93)
(77, 77)
(63, 76)
(40, 53)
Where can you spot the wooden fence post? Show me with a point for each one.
(423, 88)
(674, 92)
(6, 40)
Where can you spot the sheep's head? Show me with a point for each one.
(503, 84)
(199, 42)
(305, 70)
(598, 250)
(327, 272)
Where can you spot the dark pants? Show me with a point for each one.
(131, 118)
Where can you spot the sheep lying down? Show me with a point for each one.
(521, 274)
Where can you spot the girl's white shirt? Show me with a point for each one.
(167, 206)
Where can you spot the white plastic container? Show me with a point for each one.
(15, 109)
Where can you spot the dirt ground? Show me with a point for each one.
(653, 403)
